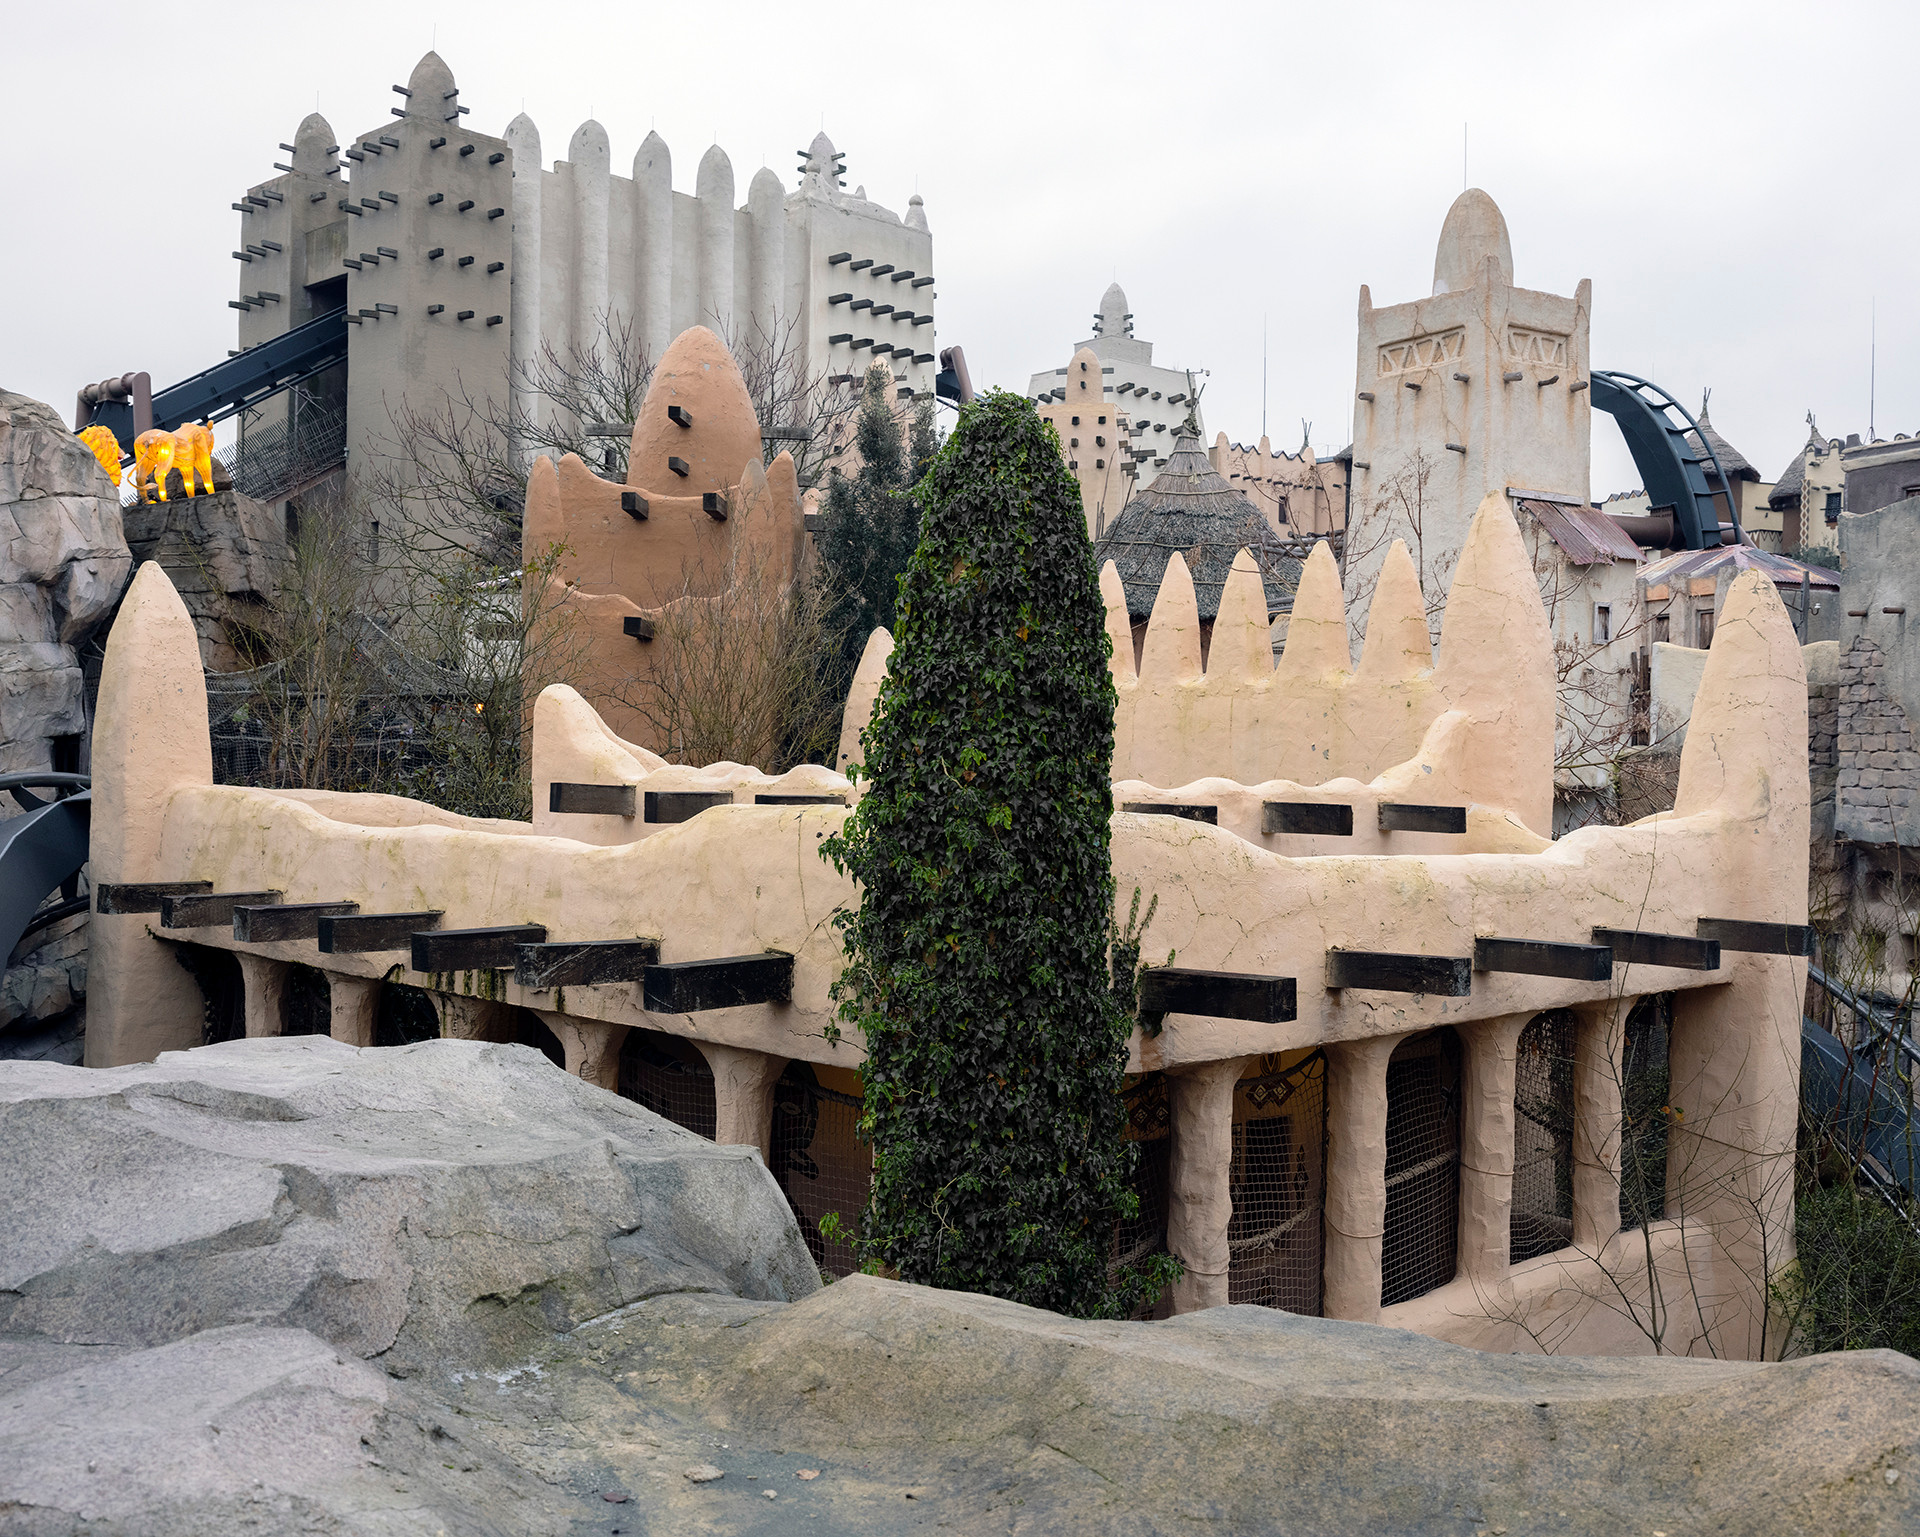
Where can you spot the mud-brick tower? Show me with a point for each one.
(1480, 387)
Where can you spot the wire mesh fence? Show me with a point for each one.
(309, 1002)
(1542, 1219)
(1645, 1086)
(820, 1162)
(1150, 1129)
(1278, 1183)
(669, 1077)
(1421, 1243)
(404, 1016)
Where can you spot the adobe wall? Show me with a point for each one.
(745, 877)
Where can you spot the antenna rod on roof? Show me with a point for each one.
(1873, 359)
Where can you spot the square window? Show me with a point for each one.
(1076, 421)
(1103, 421)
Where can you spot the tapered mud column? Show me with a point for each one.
(265, 984)
(464, 1018)
(1356, 1176)
(592, 1046)
(743, 1083)
(354, 1004)
(1486, 1147)
(1598, 1065)
(1199, 1180)
(149, 741)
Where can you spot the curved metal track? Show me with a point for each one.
(1670, 468)
(42, 848)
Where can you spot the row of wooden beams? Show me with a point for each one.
(1319, 819)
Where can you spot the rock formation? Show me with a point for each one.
(63, 565)
(225, 553)
(285, 1285)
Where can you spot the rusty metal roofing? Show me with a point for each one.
(1691, 565)
(1585, 535)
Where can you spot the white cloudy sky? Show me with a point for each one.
(1739, 180)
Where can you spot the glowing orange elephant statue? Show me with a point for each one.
(189, 450)
(104, 446)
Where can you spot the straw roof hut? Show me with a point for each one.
(1191, 508)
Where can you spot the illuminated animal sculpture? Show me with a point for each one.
(105, 447)
(189, 450)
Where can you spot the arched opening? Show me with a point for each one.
(405, 1016)
(1542, 1218)
(529, 1029)
(818, 1158)
(669, 1077)
(309, 1005)
(1278, 1182)
(221, 989)
(1420, 1249)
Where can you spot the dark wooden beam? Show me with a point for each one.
(1207, 814)
(493, 949)
(1757, 938)
(1319, 819)
(1269, 1000)
(1638, 947)
(1446, 976)
(374, 931)
(208, 909)
(1542, 958)
(590, 800)
(671, 806)
(799, 800)
(141, 896)
(638, 626)
(585, 962)
(286, 920)
(1401, 817)
(686, 987)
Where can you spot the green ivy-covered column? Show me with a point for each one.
(978, 967)
(1199, 1180)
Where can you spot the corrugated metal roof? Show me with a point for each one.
(1690, 565)
(1586, 536)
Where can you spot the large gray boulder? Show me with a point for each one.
(289, 1287)
(446, 1206)
(64, 562)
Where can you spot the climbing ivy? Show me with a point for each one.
(978, 966)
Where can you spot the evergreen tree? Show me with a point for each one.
(978, 964)
(872, 521)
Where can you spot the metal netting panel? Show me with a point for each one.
(1274, 1237)
(1645, 1084)
(1543, 1136)
(309, 1002)
(404, 1016)
(820, 1162)
(1150, 1129)
(1421, 1245)
(669, 1077)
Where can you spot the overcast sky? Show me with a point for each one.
(1739, 180)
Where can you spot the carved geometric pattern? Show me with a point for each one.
(1422, 352)
(1536, 347)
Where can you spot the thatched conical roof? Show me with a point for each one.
(1191, 508)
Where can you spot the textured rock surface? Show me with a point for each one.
(63, 564)
(190, 1190)
(451, 1202)
(225, 554)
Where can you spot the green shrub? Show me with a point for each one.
(978, 965)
